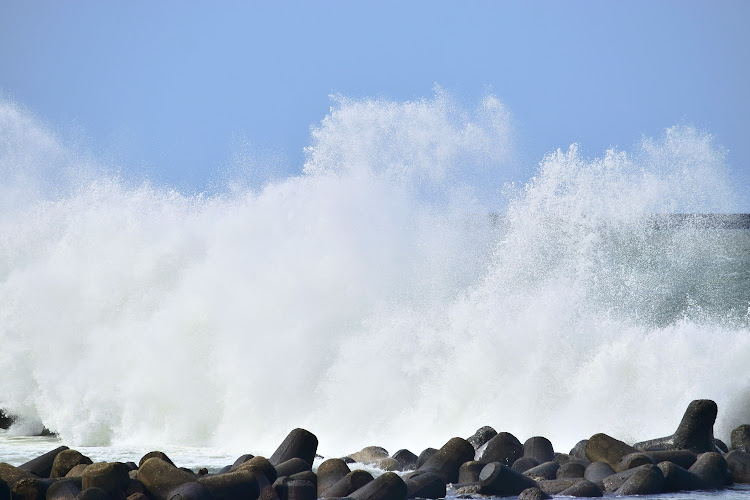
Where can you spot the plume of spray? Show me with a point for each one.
(370, 299)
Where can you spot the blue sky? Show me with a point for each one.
(167, 89)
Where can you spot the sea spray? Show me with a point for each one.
(377, 297)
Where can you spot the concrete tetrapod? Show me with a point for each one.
(448, 460)
(299, 443)
(42, 465)
(500, 480)
(695, 432)
(388, 486)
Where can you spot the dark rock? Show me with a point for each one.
(232, 485)
(63, 490)
(596, 471)
(468, 491)
(481, 436)
(6, 420)
(738, 462)
(406, 460)
(533, 494)
(111, 477)
(77, 471)
(425, 456)
(42, 465)
(138, 496)
(389, 486)
(571, 470)
(157, 454)
(202, 471)
(348, 460)
(500, 480)
(547, 470)
(298, 444)
(387, 464)
(646, 480)
(712, 468)
(292, 466)
(448, 459)
(241, 460)
(504, 448)
(579, 450)
(190, 491)
(564, 458)
(261, 465)
(11, 474)
(677, 478)
(298, 490)
(93, 494)
(5, 492)
(582, 489)
(330, 472)
(683, 458)
(31, 488)
(425, 484)
(604, 448)
(721, 446)
(469, 472)
(347, 485)
(306, 475)
(555, 486)
(524, 463)
(740, 438)
(633, 460)
(539, 448)
(160, 477)
(134, 486)
(370, 455)
(695, 432)
(66, 460)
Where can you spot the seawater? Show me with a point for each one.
(403, 288)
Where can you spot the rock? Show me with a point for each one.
(63, 490)
(298, 490)
(134, 486)
(42, 465)
(138, 496)
(12, 475)
(406, 460)
(504, 448)
(597, 471)
(539, 448)
(387, 464)
(241, 460)
(5, 492)
(571, 470)
(633, 460)
(31, 488)
(261, 465)
(160, 477)
(533, 494)
(721, 446)
(683, 458)
(481, 436)
(369, 455)
(292, 466)
(547, 470)
(330, 472)
(306, 475)
(157, 454)
(579, 450)
(5, 421)
(389, 486)
(448, 460)
(347, 485)
(555, 486)
(500, 480)
(695, 432)
(712, 468)
(677, 478)
(740, 438)
(646, 480)
(93, 494)
(232, 485)
(298, 444)
(111, 477)
(738, 462)
(425, 484)
(468, 491)
(77, 471)
(524, 463)
(66, 460)
(582, 488)
(469, 472)
(604, 448)
(190, 491)
(424, 456)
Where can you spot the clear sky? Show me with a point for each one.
(167, 88)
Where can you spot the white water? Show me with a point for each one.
(372, 299)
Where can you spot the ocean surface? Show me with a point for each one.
(405, 287)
